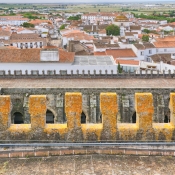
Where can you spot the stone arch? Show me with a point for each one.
(83, 117)
(50, 118)
(134, 117)
(18, 118)
(53, 112)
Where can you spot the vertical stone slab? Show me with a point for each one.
(109, 110)
(60, 107)
(172, 109)
(73, 109)
(5, 110)
(144, 110)
(37, 110)
(93, 105)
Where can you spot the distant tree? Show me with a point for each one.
(113, 30)
(27, 25)
(119, 68)
(62, 27)
(146, 31)
(77, 17)
(145, 38)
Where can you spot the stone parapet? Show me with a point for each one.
(74, 131)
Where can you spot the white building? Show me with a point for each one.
(12, 20)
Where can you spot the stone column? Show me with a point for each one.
(93, 105)
(109, 110)
(60, 109)
(37, 110)
(125, 109)
(73, 109)
(5, 110)
(172, 109)
(144, 110)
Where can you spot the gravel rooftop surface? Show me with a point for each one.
(89, 165)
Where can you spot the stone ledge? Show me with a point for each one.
(62, 152)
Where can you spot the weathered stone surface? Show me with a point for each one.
(89, 165)
(73, 130)
(37, 110)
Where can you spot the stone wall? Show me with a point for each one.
(67, 107)
(55, 101)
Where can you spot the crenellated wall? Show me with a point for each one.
(74, 131)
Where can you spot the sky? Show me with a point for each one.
(79, 1)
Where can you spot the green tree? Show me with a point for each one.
(119, 68)
(145, 38)
(146, 31)
(27, 25)
(113, 30)
(62, 27)
(77, 17)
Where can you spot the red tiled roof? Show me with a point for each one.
(117, 53)
(14, 55)
(99, 53)
(131, 62)
(164, 44)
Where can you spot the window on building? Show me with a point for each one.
(150, 51)
(49, 117)
(83, 117)
(134, 118)
(141, 53)
(18, 118)
(165, 50)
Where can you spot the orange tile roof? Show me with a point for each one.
(99, 53)
(164, 44)
(118, 53)
(66, 57)
(39, 21)
(167, 38)
(19, 55)
(78, 35)
(131, 62)
(14, 55)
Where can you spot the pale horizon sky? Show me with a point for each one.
(81, 1)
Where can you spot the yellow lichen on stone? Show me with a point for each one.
(127, 131)
(5, 109)
(37, 110)
(165, 129)
(172, 108)
(109, 110)
(73, 109)
(56, 128)
(89, 129)
(20, 128)
(144, 110)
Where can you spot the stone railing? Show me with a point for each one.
(81, 74)
(73, 131)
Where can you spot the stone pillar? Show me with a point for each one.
(160, 109)
(125, 109)
(109, 110)
(73, 109)
(37, 110)
(26, 109)
(172, 109)
(144, 110)
(5, 110)
(60, 109)
(93, 105)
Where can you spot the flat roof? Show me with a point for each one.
(93, 60)
(88, 83)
